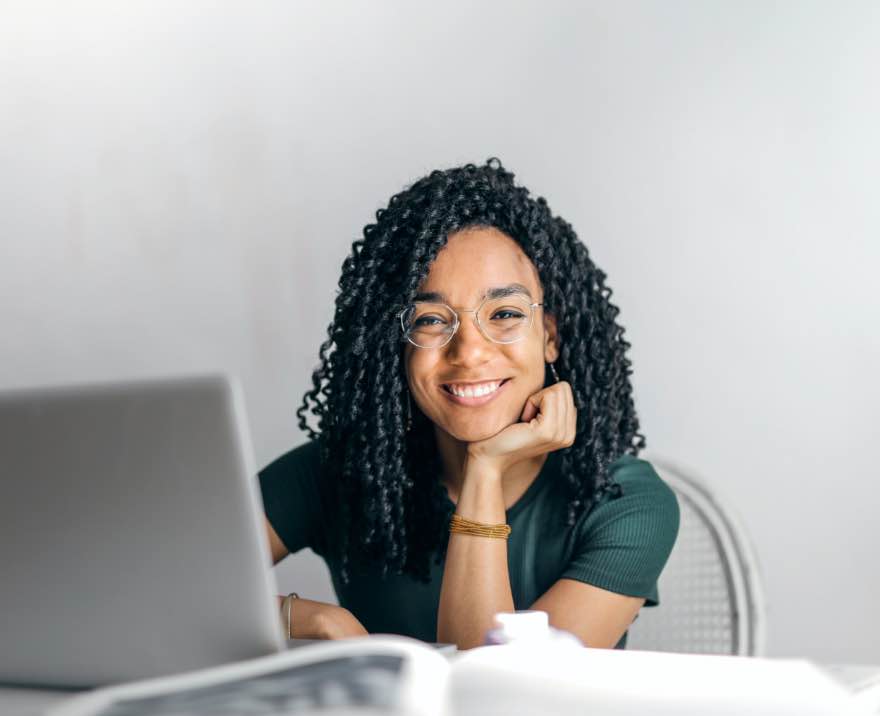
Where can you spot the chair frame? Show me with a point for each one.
(740, 561)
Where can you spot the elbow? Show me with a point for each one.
(461, 642)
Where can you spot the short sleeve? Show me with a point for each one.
(291, 497)
(623, 542)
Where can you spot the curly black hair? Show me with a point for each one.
(384, 480)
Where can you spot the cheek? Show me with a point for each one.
(529, 360)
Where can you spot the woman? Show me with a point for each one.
(476, 440)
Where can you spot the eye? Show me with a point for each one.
(507, 314)
(424, 321)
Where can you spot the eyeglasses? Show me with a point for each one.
(505, 319)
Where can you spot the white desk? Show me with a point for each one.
(34, 702)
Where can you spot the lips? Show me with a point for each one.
(474, 392)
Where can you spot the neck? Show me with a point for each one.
(515, 481)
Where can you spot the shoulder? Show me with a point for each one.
(646, 505)
(292, 498)
(638, 478)
(623, 542)
(304, 459)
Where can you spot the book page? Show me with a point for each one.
(501, 680)
(389, 675)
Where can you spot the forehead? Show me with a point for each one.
(476, 260)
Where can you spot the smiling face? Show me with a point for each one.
(473, 388)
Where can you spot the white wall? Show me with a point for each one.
(180, 182)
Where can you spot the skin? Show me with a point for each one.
(472, 262)
(491, 453)
(310, 619)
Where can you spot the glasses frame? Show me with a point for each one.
(476, 311)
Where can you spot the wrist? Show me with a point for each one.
(482, 494)
(482, 468)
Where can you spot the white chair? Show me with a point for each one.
(711, 597)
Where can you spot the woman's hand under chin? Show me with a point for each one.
(548, 422)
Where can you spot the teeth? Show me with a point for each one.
(474, 391)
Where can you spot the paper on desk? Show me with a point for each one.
(517, 680)
(867, 693)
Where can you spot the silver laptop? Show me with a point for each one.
(131, 537)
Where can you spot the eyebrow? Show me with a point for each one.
(497, 292)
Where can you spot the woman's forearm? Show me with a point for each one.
(476, 583)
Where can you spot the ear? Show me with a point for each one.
(551, 338)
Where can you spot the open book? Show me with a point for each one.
(401, 676)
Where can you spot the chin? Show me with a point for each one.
(479, 431)
(474, 436)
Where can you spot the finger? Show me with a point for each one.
(549, 421)
(548, 412)
(542, 406)
(570, 416)
(531, 408)
(573, 419)
(565, 415)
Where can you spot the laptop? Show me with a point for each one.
(131, 534)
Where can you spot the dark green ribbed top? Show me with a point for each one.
(620, 544)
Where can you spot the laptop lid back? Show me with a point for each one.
(131, 536)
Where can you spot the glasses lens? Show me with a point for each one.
(428, 324)
(507, 319)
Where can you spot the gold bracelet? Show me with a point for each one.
(461, 525)
(286, 607)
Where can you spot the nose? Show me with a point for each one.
(468, 347)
